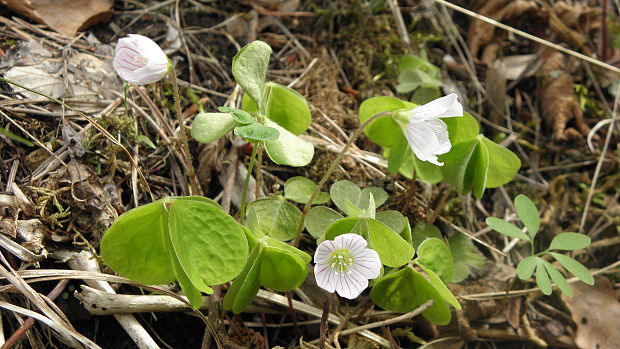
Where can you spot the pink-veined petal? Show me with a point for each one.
(139, 60)
(367, 263)
(351, 242)
(324, 251)
(351, 285)
(447, 106)
(325, 277)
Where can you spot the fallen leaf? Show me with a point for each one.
(64, 16)
(557, 97)
(596, 311)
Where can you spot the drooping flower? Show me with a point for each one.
(345, 264)
(426, 134)
(139, 60)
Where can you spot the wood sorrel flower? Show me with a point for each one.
(426, 134)
(139, 60)
(345, 264)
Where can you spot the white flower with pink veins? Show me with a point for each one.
(426, 134)
(345, 264)
(139, 60)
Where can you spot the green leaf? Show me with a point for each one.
(282, 270)
(241, 116)
(407, 289)
(506, 228)
(256, 132)
(249, 67)
(342, 226)
(456, 165)
(393, 219)
(319, 218)
(569, 242)
(464, 256)
(208, 127)
(558, 278)
(408, 81)
(288, 149)
(210, 245)
(423, 231)
(277, 217)
(287, 108)
(441, 288)
(246, 285)
(462, 129)
(503, 164)
(393, 250)
(344, 190)
(435, 255)
(398, 154)
(425, 94)
(144, 140)
(383, 129)
(528, 213)
(574, 268)
(526, 267)
(478, 169)
(542, 278)
(135, 245)
(191, 292)
(299, 189)
(424, 170)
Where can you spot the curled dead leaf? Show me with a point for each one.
(559, 103)
(64, 16)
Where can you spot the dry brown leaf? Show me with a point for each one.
(596, 311)
(64, 16)
(558, 100)
(481, 33)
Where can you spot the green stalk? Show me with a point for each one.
(246, 184)
(191, 173)
(331, 169)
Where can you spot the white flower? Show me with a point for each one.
(426, 134)
(139, 60)
(345, 264)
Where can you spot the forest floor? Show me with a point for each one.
(67, 174)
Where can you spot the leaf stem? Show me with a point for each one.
(324, 318)
(246, 184)
(191, 173)
(331, 169)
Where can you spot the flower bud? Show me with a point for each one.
(139, 60)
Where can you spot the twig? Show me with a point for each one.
(599, 165)
(530, 36)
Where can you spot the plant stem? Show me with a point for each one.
(246, 184)
(331, 169)
(324, 317)
(191, 173)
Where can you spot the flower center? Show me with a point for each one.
(340, 261)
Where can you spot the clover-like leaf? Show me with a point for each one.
(245, 286)
(256, 132)
(441, 288)
(288, 149)
(249, 67)
(423, 231)
(464, 256)
(208, 127)
(526, 267)
(383, 129)
(282, 270)
(343, 191)
(503, 164)
(435, 255)
(319, 218)
(393, 250)
(241, 116)
(407, 289)
(277, 217)
(299, 189)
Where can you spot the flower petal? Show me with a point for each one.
(139, 60)
(350, 285)
(424, 141)
(351, 242)
(367, 263)
(325, 277)
(324, 251)
(447, 106)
